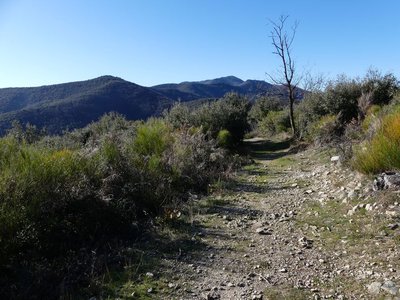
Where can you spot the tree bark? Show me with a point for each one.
(282, 42)
(291, 112)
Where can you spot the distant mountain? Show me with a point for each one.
(230, 80)
(216, 88)
(75, 104)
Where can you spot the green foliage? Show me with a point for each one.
(382, 153)
(262, 106)
(224, 139)
(27, 133)
(178, 115)
(348, 100)
(229, 112)
(341, 97)
(275, 122)
(371, 117)
(382, 87)
(152, 139)
(84, 190)
(309, 110)
(325, 130)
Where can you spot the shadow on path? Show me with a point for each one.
(266, 149)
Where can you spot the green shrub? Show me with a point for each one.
(382, 87)
(326, 130)
(341, 98)
(152, 139)
(179, 115)
(308, 111)
(382, 153)
(196, 162)
(275, 122)
(224, 139)
(58, 203)
(262, 106)
(371, 117)
(229, 112)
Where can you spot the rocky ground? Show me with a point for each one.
(290, 226)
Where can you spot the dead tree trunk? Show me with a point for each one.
(282, 42)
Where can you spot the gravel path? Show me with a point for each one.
(293, 226)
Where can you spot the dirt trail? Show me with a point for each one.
(293, 226)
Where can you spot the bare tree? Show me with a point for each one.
(286, 75)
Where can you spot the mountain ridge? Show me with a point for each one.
(75, 104)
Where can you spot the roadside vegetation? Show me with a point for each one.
(69, 203)
(359, 117)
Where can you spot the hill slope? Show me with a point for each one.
(76, 104)
(73, 105)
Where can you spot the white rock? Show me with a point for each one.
(335, 158)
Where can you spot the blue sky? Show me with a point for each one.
(158, 41)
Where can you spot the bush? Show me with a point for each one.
(341, 98)
(275, 122)
(152, 139)
(382, 87)
(58, 203)
(309, 110)
(326, 131)
(229, 112)
(179, 115)
(382, 153)
(262, 106)
(224, 139)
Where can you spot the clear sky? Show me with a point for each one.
(158, 41)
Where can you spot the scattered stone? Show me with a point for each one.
(227, 218)
(257, 296)
(393, 226)
(213, 296)
(305, 243)
(390, 287)
(392, 213)
(335, 158)
(263, 231)
(387, 180)
(352, 194)
(374, 288)
(283, 270)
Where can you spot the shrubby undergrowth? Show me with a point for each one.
(228, 114)
(358, 116)
(65, 197)
(382, 151)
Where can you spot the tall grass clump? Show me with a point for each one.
(382, 152)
